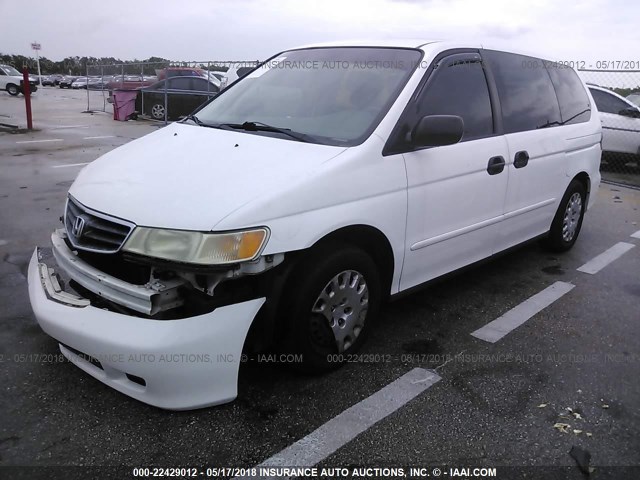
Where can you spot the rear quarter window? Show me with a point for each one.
(572, 97)
(527, 97)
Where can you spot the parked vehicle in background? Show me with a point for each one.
(234, 73)
(634, 98)
(130, 82)
(11, 81)
(180, 72)
(218, 75)
(79, 83)
(66, 82)
(51, 80)
(620, 126)
(98, 83)
(214, 77)
(293, 204)
(184, 95)
(56, 78)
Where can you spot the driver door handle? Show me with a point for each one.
(495, 165)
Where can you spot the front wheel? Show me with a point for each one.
(330, 303)
(13, 89)
(568, 219)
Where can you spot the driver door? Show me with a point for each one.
(456, 193)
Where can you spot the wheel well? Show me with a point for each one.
(267, 328)
(583, 178)
(373, 242)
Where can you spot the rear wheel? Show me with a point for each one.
(333, 298)
(568, 219)
(13, 89)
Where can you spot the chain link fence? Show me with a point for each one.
(161, 91)
(617, 96)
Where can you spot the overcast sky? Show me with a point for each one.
(255, 29)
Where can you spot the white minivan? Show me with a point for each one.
(286, 210)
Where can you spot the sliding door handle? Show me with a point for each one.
(521, 159)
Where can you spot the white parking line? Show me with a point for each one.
(41, 141)
(501, 326)
(636, 235)
(71, 165)
(99, 136)
(605, 258)
(340, 430)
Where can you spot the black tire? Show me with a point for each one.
(310, 334)
(566, 220)
(13, 89)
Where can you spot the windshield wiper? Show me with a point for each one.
(263, 127)
(195, 120)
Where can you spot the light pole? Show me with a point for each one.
(36, 46)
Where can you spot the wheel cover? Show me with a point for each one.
(157, 111)
(12, 89)
(572, 217)
(344, 303)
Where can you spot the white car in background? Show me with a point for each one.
(11, 80)
(214, 77)
(80, 82)
(634, 98)
(620, 123)
(233, 73)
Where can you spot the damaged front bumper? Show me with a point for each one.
(147, 299)
(173, 364)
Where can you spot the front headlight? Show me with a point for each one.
(197, 247)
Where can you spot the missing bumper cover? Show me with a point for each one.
(140, 298)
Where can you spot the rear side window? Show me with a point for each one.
(180, 83)
(607, 103)
(527, 97)
(572, 97)
(200, 85)
(460, 88)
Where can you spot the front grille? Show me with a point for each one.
(93, 231)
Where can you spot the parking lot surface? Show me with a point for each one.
(449, 398)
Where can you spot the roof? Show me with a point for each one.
(423, 44)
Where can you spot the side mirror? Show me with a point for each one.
(630, 112)
(437, 130)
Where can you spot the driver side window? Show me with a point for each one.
(459, 87)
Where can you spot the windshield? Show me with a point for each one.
(334, 96)
(10, 71)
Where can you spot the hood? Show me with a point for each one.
(190, 177)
